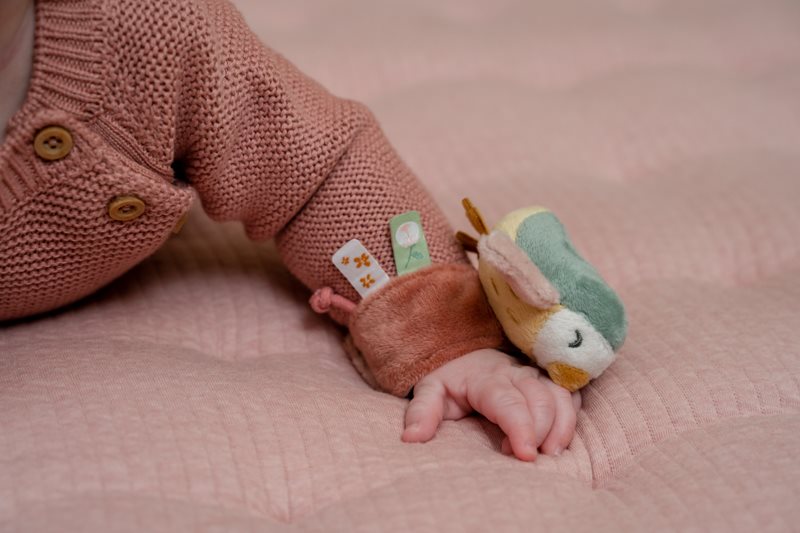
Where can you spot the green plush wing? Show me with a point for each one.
(582, 290)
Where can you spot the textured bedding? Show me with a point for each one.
(200, 392)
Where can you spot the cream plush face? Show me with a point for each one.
(568, 338)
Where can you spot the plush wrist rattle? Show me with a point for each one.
(552, 304)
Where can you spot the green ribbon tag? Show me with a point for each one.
(408, 243)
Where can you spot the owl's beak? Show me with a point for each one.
(569, 377)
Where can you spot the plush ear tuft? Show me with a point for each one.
(474, 217)
(469, 242)
(524, 277)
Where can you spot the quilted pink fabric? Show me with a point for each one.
(200, 393)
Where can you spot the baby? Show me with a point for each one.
(116, 118)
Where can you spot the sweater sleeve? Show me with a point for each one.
(264, 144)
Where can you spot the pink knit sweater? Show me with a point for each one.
(165, 100)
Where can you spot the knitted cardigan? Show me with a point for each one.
(169, 100)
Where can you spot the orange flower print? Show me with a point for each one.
(345, 260)
(367, 280)
(362, 261)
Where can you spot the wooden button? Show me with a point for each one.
(181, 221)
(52, 143)
(125, 208)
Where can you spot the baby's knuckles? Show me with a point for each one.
(495, 393)
(498, 386)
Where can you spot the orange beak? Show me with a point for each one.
(569, 377)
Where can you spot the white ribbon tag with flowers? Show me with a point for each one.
(360, 268)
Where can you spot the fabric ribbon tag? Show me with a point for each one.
(360, 268)
(408, 243)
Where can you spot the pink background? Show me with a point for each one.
(200, 393)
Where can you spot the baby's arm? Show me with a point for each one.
(264, 144)
(272, 148)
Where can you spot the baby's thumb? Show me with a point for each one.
(425, 412)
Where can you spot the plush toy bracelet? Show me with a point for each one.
(552, 304)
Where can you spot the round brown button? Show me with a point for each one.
(125, 208)
(52, 143)
(179, 225)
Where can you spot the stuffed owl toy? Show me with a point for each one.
(551, 303)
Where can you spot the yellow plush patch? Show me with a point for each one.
(512, 221)
(520, 321)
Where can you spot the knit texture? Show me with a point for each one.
(165, 99)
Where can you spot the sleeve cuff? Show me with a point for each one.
(420, 321)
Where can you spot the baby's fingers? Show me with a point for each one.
(425, 412)
(503, 404)
(564, 422)
(540, 404)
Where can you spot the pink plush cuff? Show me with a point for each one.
(420, 321)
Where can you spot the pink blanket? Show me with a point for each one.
(200, 393)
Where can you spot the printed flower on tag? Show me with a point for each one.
(345, 260)
(367, 281)
(407, 234)
(362, 261)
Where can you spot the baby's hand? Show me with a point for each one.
(531, 410)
